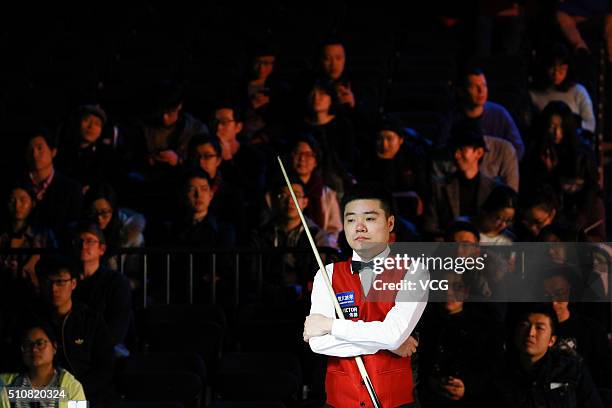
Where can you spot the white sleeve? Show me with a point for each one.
(585, 108)
(350, 338)
(322, 303)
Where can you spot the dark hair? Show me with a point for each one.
(500, 197)
(262, 49)
(392, 123)
(195, 173)
(226, 104)
(467, 132)
(461, 225)
(49, 136)
(539, 308)
(310, 140)
(565, 233)
(169, 95)
(544, 197)
(370, 191)
(462, 79)
(107, 192)
(568, 124)
(54, 264)
(327, 87)
(329, 40)
(557, 54)
(202, 139)
(293, 179)
(42, 325)
(90, 228)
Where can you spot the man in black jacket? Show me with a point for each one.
(59, 198)
(85, 348)
(105, 291)
(537, 376)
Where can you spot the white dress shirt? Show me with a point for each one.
(349, 338)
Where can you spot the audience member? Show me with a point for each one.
(497, 214)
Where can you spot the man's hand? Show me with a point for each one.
(317, 325)
(345, 95)
(168, 156)
(408, 347)
(454, 388)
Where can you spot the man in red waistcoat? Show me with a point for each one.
(377, 325)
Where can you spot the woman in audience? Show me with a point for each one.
(323, 208)
(555, 82)
(557, 158)
(496, 215)
(122, 227)
(333, 131)
(38, 349)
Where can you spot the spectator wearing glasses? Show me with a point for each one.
(243, 165)
(122, 227)
(323, 206)
(205, 153)
(39, 347)
(537, 210)
(103, 290)
(85, 347)
(496, 215)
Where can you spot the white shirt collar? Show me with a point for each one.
(383, 255)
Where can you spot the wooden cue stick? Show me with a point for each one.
(358, 359)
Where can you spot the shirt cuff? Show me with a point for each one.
(340, 328)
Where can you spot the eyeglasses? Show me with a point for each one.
(557, 295)
(507, 221)
(36, 344)
(58, 282)
(101, 213)
(223, 122)
(284, 196)
(85, 242)
(207, 156)
(306, 155)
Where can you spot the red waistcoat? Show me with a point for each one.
(390, 374)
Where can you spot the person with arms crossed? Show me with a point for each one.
(379, 330)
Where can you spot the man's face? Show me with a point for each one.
(20, 204)
(40, 155)
(367, 227)
(477, 91)
(534, 336)
(389, 143)
(171, 116)
(467, 244)
(557, 73)
(287, 204)
(304, 159)
(208, 158)
(263, 66)
(58, 287)
(226, 127)
(91, 128)
(199, 195)
(333, 60)
(467, 157)
(91, 249)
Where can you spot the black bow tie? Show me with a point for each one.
(358, 266)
